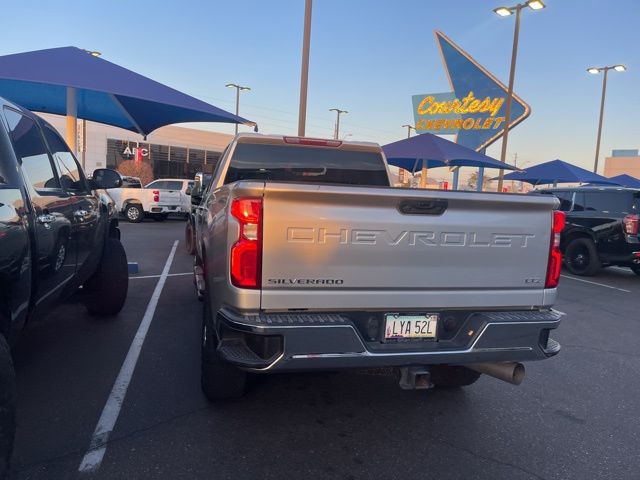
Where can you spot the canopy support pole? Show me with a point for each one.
(72, 120)
(456, 174)
(423, 175)
(480, 181)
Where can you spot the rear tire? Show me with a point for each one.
(450, 376)
(189, 238)
(134, 213)
(219, 379)
(635, 269)
(581, 257)
(7, 407)
(107, 288)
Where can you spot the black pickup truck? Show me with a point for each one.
(601, 228)
(58, 236)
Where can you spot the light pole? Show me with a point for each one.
(238, 89)
(336, 132)
(595, 71)
(401, 172)
(409, 128)
(505, 12)
(304, 74)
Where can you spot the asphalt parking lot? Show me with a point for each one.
(574, 417)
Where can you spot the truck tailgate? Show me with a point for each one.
(335, 247)
(169, 197)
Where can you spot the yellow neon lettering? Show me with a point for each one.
(495, 106)
(468, 123)
(425, 101)
(497, 123)
(487, 123)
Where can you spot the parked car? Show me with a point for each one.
(307, 259)
(135, 203)
(58, 232)
(201, 182)
(601, 229)
(181, 185)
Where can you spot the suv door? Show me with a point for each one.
(85, 231)
(55, 251)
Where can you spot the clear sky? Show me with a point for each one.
(368, 57)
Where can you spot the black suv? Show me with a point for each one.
(58, 233)
(601, 228)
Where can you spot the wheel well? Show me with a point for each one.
(131, 201)
(572, 236)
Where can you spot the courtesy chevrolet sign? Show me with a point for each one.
(487, 110)
(475, 110)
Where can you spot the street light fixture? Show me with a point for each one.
(238, 89)
(93, 53)
(594, 71)
(409, 128)
(336, 132)
(505, 12)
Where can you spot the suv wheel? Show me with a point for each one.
(107, 288)
(134, 213)
(219, 379)
(449, 376)
(582, 258)
(635, 269)
(7, 407)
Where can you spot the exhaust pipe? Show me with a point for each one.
(510, 372)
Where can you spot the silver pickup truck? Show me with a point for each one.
(306, 259)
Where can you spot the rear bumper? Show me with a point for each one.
(165, 209)
(309, 341)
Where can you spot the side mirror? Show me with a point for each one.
(104, 178)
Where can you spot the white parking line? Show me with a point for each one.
(98, 446)
(595, 283)
(158, 276)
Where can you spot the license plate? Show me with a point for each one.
(398, 326)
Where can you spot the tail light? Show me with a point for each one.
(246, 253)
(631, 224)
(555, 257)
(156, 196)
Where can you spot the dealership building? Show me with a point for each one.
(171, 151)
(622, 162)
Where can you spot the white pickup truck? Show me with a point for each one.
(135, 203)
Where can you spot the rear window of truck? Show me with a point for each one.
(303, 164)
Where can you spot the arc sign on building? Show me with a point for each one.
(475, 110)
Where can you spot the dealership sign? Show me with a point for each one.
(475, 110)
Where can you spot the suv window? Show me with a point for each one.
(66, 165)
(566, 199)
(610, 202)
(31, 151)
(174, 185)
(304, 164)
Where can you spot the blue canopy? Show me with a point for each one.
(436, 152)
(105, 92)
(626, 181)
(558, 171)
